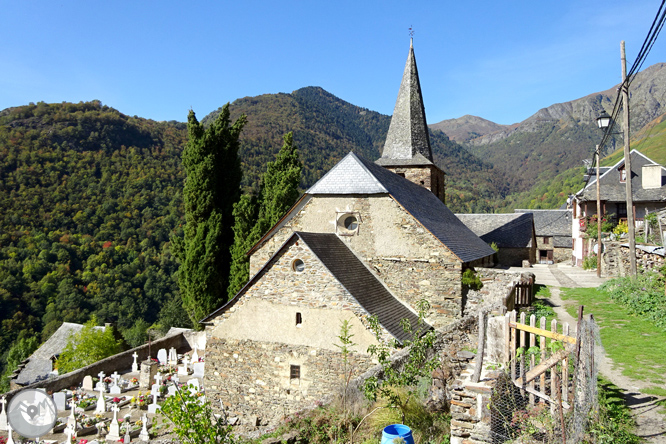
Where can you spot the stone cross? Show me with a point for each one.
(195, 355)
(70, 433)
(101, 403)
(135, 366)
(71, 421)
(10, 437)
(128, 438)
(115, 388)
(3, 414)
(144, 436)
(100, 384)
(101, 376)
(184, 371)
(173, 356)
(114, 428)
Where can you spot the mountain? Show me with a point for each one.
(326, 128)
(562, 135)
(466, 128)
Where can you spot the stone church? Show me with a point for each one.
(369, 238)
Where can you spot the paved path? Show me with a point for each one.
(650, 425)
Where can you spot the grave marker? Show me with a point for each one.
(60, 399)
(3, 415)
(162, 356)
(114, 428)
(173, 356)
(87, 383)
(184, 370)
(144, 436)
(195, 355)
(135, 366)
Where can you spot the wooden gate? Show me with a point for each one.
(539, 358)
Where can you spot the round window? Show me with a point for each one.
(298, 265)
(351, 223)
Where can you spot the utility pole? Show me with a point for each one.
(598, 215)
(627, 166)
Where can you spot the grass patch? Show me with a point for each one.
(612, 422)
(634, 344)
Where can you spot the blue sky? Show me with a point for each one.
(502, 61)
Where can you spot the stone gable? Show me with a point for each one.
(403, 254)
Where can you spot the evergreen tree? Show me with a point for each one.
(212, 187)
(255, 216)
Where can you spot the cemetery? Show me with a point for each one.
(120, 406)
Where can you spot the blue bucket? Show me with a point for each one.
(397, 431)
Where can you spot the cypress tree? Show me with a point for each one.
(255, 216)
(212, 187)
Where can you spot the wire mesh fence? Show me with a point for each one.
(549, 389)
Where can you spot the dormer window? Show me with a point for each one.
(623, 174)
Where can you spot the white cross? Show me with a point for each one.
(158, 378)
(174, 379)
(101, 376)
(3, 401)
(115, 375)
(135, 355)
(115, 411)
(72, 404)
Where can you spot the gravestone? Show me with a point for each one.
(155, 390)
(144, 436)
(71, 420)
(172, 390)
(135, 366)
(10, 435)
(115, 388)
(60, 399)
(198, 369)
(194, 382)
(173, 356)
(100, 384)
(184, 370)
(162, 356)
(3, 415)
(70, 432)
(195, 355)
(152, 408)
(128, 438)
(114, 427)
(101, 403)
(87, 383)
(148, 372)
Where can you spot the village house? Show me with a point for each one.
(648, 181)
(553, 235)
(368, 239)
(512, 234)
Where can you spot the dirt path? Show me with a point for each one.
(650, 425)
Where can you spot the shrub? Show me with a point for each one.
(643, 295)
(590, 262)
(621, 228)
(471, 280)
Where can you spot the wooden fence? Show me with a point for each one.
(538, 366)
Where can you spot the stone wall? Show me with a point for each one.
(254, 380)
(108, 365)
(429, 177)
(497, 291)
(615, 260)
(387, 237)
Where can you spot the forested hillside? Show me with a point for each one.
(89, 198)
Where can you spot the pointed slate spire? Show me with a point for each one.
(408, 141)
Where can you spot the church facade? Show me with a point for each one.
(368, 239)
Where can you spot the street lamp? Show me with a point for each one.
(604, 120)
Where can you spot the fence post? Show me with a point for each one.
(482, 345)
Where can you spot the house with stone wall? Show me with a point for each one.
(553, 234)
(513, 234)
(368, 239)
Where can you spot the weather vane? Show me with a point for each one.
(411, 31)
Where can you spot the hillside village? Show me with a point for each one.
(370, 240)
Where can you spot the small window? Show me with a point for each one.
(294, 372)
(545, 240)
(299, 319)
(298, 266)
(623, 175)
(401, 174)
(351, 223)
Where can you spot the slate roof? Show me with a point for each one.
(408, 140)
(352, 274)
(354, 175)
(552, 223)
(612, 190)
(506, 230)
(39, 364)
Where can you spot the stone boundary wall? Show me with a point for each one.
(615, 260)
(498, 290)
(108, 365)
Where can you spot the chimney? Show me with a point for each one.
(651, 176)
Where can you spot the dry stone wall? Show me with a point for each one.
(615, 260)
(254, 380)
